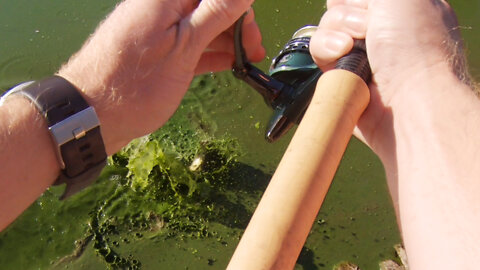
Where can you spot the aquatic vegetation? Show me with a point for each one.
(180, 198)
(177, 184)
(165, 186)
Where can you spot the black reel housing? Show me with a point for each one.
(290, 84)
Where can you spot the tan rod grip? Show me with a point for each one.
(281, 223)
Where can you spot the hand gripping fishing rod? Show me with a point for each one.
(281, 223)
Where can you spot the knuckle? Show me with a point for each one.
(333, 16)
(333, 3)
(228, 10)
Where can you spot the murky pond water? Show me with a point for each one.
(192, 224)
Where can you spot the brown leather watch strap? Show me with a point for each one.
(75, 130)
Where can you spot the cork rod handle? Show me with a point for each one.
(281, 223)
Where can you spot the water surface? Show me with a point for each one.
(356, 222)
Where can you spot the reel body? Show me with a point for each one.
(289, 86)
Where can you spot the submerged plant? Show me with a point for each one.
(170, 184)
(184, 165)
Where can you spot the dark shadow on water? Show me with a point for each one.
(306, 259)
(238, 197)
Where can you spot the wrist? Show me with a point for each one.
(94, 92)
(430, 113)
(74, 128)
(29, 162)
(26, 131)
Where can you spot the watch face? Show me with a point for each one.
(13, 90)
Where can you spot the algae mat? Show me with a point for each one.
(181, 197)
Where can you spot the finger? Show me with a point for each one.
(252, 42)
(354, 3)
(256, 54)
(249, 18)
(350, 20)
(214, 62)
(212, 17)
(222, 43)
(326, 46)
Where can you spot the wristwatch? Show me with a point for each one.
(74, 128)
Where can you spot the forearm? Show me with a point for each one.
(121, 71)
(133, 71)
(433, 171)
(28, 158)
(103, 70)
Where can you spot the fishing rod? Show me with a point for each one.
(283, 219)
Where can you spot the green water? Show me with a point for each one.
(356, 222)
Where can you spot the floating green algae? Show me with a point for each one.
(181, 197)
(173, 184)
(169, 184)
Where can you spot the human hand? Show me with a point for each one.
(407, 42)
(139, 63)
(419, 120)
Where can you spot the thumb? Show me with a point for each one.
(212, 17)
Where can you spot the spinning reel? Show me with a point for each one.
(289, 86)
